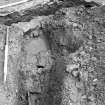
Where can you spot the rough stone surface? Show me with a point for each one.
(56, 55)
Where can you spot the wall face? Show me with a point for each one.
(14, 53)
(35, 65)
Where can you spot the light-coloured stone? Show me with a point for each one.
(70, 67)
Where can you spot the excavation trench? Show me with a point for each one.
(29, 80)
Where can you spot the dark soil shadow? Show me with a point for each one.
(53, 95)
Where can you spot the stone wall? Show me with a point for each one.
(55, 55)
